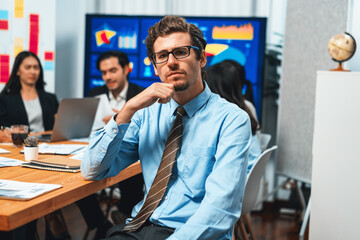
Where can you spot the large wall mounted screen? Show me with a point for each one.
(239, 39)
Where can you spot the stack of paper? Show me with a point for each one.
(60, 149)
(9, 162)
(4, 151)
(24, 190)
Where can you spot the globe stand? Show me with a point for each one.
(339, 68)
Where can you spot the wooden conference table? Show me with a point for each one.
(14, 213)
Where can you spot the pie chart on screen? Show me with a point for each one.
(219, 52)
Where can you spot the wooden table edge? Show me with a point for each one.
(52, 203)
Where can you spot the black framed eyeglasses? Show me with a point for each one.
(178, 53)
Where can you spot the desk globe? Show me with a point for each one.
(341, 48)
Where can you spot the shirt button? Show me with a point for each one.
(155, 215)
(115, 130)
(122, 131)
(166, 197)
(102, 150)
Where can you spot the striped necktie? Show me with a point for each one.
(163, 174)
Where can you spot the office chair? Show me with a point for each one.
(252, 186)
(264, 140)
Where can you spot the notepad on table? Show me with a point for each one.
(55, 163)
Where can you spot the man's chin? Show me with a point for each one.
(111, 87)
(181, 87)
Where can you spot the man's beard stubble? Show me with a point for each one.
(181, 87)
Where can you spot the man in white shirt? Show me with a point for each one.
(114, 68)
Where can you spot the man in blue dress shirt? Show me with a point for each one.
(204, 195)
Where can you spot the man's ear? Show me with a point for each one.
(155, 70)
(203, 59)
(126, 69)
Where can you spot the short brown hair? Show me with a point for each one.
(172, 24)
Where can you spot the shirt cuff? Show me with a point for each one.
(114, 130)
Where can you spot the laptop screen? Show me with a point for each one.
(74, 118)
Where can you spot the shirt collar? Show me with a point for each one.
(122, 94)
(195, 104)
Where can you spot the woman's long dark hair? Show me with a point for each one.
(13, 85)
(249, 94)
(224, 79)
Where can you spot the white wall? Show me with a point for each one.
(70, 46)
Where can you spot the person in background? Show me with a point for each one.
(246, 86)
(114, 68)
(224, 79)
(25, 101)
(193, 193)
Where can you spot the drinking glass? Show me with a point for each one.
(18, 134)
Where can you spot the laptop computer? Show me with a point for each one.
(74, 119)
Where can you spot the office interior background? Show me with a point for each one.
(297, 35)
(306, 25)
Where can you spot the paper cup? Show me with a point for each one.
(31, 153)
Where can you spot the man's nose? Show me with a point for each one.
(106, 76)
(172, 59)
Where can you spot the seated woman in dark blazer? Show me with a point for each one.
(24, 100)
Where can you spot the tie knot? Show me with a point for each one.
(180, 110)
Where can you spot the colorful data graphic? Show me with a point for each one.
(18, 45)
(49, 61)
(4, 20)
(128, 41)
(243, 32)
(104, 36)
(34, 33)
(131, 67)
(239, 39)
(219, 52)
(19, 9)
(4, 68)
(214, 49)
(27, 26)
